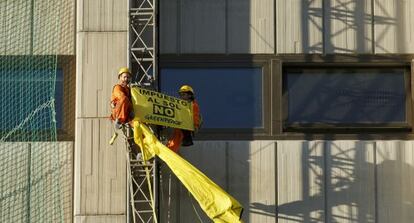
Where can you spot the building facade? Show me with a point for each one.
(307, 107)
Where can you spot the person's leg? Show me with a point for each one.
(187, 139)
(175, 141)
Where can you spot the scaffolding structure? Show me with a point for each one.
(143, 42)
(143, 177)
(142, 187)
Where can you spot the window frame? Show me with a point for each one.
(339, 128)
(220, 61)
(66, 65)
(273, 95)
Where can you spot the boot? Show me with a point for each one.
(188, 138)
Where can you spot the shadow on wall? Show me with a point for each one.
(225, 163)
(342, 184)
(381, 32)
(215, 26)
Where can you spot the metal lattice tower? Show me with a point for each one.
(143, 42)
(139, 191)
(142, 56)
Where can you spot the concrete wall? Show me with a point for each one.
(43, 170)
(302, 181)
(100, 169)
(306, 181)
(286, 26)
(44, 28)
(217, 26)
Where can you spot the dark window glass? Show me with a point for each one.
(28, 104)
(345, 96)
(228, 97)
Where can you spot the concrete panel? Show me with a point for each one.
(250, 26)
(394, 29)
(238, 26)
(67, 28)
(317, 181)
(246, 170)
(219, 26)
(262, 26)
(169, 196)
(209, 158)
(100, 169)
(300, 181)
(52, 174)
(100, 219)
(395, 181)
(15, 29)
(299, 26)
(48, 168)
(252, 173)
(54, 27)
(169, 26)
(348, 26)
(66, 150)
(14, 181)
(202, 26)
(102, 15)
(49, 30)
(350, 181)
(99, 56)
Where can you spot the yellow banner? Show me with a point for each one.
(161, 109)
(220, 206)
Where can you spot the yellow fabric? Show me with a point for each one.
(161, 109)
(216, 203)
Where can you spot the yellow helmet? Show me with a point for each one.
(186, 88)
(123, 70)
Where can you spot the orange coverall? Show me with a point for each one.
(176, 139)
(121, 104)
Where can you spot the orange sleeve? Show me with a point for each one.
(122, 104)
(117, 93)
(196, 114)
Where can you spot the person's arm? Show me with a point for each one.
(118, 92)
(196, 115)
(122, 109)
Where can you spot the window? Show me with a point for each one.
(346, 97)
(28, 100)
(247, 97)
(229, 97)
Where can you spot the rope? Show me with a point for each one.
(28, 118)
(194, 208)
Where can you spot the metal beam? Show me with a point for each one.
(143, 42)
(142, 57)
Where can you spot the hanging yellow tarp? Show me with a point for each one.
(161, 109)
(216, 203)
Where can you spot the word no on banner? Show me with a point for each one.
(161, 109)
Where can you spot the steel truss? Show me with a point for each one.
(142, 181)
(143, 41)
(142, 55)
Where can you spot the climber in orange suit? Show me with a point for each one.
(184, 137)
(121, 105)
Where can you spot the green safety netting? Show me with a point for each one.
(33, 185)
